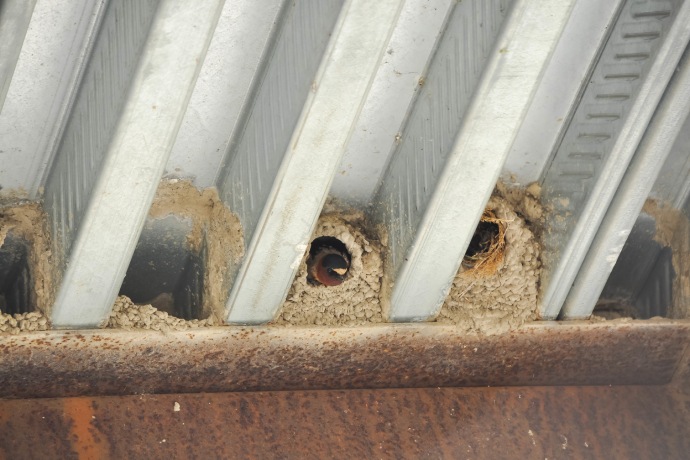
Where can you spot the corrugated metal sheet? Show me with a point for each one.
(408, 111)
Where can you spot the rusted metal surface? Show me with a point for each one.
(386, 356)
(535, 422)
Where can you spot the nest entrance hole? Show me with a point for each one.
(486, 250)
(165, 272)
(15, 277)
(328, 242)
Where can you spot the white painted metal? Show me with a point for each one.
(14, 21)
(429, 233)
(669, 118)
(281, 235)
(624, 90)
(104, 178)
(59, 38)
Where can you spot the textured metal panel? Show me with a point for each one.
(163, 262)
(636, 261)
(276, 103)
(94, 116)
(617, 104)
(452, 151)
(430, 130)
(398, 79)
(224, 83)
(55, 363)
(272, 119)
(279, 207)
(14, 20)
(15, 277)
(669, 119)
(558, 93)
(113, 152)
(45, 80)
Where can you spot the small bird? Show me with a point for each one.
(327, 266)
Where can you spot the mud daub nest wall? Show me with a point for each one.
(27, 223)
(497, 286)
(215, 229)
(356, 300)
(128, 315)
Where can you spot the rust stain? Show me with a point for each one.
(222, 359)
(87, 441)
(509, 422)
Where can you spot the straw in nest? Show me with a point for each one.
(489, 259)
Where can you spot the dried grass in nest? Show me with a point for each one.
(486, 261)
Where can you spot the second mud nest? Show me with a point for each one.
(496, 288)
(356, 300)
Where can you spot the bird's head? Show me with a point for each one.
(332, 269)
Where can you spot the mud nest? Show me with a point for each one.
(128, 315)
(356, 300)
(497, 286)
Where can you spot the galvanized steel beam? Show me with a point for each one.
(398, 79)
(560, 88)
(233, 59)
(623, 92)
(281, 170)
(45, 80)
(670, 117)
(120, 132)
(453, 146)
(14, 21)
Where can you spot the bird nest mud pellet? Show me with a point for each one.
(496, 288)
(128, 315)
(23, 322)
(356, 300)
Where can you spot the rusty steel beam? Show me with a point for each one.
(106, 362)
(478, 423)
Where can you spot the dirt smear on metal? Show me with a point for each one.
(503, 299)
(356, 300)
(215, 228)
